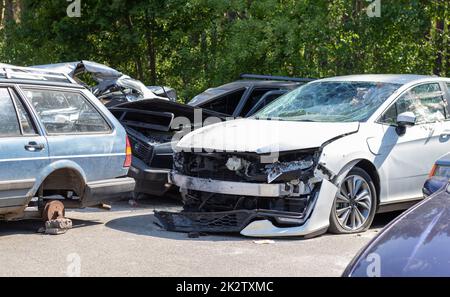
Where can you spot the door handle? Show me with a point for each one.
(34, 146)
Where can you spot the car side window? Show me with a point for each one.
(425, 101)
(64, 112)
(254, 98)
(9, 123)
(24, 117)
(268, 98)
(226, 104)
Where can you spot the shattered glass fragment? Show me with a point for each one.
(275, 171)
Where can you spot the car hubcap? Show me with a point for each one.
(353, 203)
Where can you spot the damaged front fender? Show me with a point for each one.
(316, 224)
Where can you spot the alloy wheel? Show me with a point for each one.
(353, 203)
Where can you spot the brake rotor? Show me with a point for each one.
(53, 210)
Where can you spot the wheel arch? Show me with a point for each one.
(368, 167)
(372, 171)
(363, 166)
(61, 171)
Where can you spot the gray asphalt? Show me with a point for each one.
(126, 242)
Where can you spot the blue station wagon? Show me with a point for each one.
(57, 142)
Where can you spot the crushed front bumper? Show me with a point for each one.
(221, 222)
(316, 224)
(227, 187)
(255, 223)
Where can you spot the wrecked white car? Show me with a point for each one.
(111, 86)
(326, 156)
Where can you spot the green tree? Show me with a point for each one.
(195, 44)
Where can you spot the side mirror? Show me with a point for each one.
(406, 119)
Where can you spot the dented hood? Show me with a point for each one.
(165, 106)
(264, 136)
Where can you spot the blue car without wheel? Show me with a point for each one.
(57, 142)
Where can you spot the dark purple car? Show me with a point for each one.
(417, 243)
(439, 176)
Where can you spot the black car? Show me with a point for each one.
(150, 122)
(243, 98)
(416, 243)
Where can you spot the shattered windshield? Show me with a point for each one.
(330, 102)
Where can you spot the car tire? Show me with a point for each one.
(355, 204)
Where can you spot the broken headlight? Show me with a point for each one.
(292, 166)
(287, 171)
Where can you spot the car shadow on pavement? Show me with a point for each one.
(382, 219)
(27, 227)
(148, 225)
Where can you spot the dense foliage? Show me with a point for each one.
(194, 44)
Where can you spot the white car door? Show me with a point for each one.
(406, 159)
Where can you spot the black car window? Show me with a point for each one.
(64, 112)
(9, 124)
(225, 104)
(268, 98)
(24, 117)
(390, 116)
(254, 98)
(425, 101)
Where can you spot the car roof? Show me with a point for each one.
(240, 84)
(257, 83)
(383, 78)
(74, 68)
(30, 82)
(34, 76)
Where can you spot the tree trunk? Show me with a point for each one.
(136, 58)
(439, 50)
(446, 41)
(151, 50)
(2, 6)
(18, 8)
(437, 35)
(9, 11)
(139, 68)
(357, 8)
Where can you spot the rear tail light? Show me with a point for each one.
(433, 171)
(128, 155)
